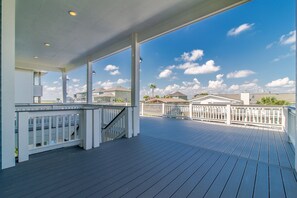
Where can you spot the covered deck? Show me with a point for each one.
(170, 158)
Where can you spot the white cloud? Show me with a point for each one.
(75, 80)
(208, 67)
(55, 82)
(282, 82)
(165, 73)
(238, 30)
(234, 87)
(187, 65)
(115, 72)
(288, 39)
(122, 81)
(217, 84)
(192, 56)
(240, 74)
(111, 68)
(283, 56)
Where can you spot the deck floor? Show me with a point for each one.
(170, 158)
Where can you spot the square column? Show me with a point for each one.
(135, 82)
(64, 86)
(7, 77)
(89, 82)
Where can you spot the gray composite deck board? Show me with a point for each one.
(170, 158)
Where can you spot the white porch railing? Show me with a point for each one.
(265, 116)
(45, 127)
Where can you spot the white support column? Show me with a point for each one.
(97, 127)
(228, 109)
(191, 111)
(89, 82)
(87, 129)
(64, 86)
(163, 109)
(7, 84)
(296, 116)
(135, 82)
(23, 136)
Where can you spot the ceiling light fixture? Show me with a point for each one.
(47, 44)
(72, 13)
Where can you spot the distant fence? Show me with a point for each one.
(265, 116)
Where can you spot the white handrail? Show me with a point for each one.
(264, 116)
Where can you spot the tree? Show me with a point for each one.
(272, 101)
(146, 97)
(157, 96)
(153, 87)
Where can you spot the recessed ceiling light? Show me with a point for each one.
(47, 44)
(35, 57)
(72, 13)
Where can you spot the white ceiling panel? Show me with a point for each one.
(101, 27)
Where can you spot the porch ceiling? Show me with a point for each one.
(100, 27)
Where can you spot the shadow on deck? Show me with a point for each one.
(170, 158)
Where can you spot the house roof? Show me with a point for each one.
(203, 97)
(119, 88)
(167, 100)
(176, 94)
(98, 90)
(92, 35)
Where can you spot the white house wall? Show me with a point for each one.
(23, 86)
(212, 101)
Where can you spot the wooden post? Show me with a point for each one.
(23, 136)
(228, 111)
(97, 127)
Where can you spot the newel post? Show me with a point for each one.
(23, 136)
(228, 112)
(97, 136)
(86, 129)
(128, 124)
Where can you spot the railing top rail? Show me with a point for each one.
(66, 107)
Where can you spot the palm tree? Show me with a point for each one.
(153, 87)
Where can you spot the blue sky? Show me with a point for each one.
(249, 48)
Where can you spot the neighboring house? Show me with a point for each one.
(98, 91)
(178, 95)
(244, 98)
(168, 101)
(80, 97)
(214, 99)
(116, 94)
